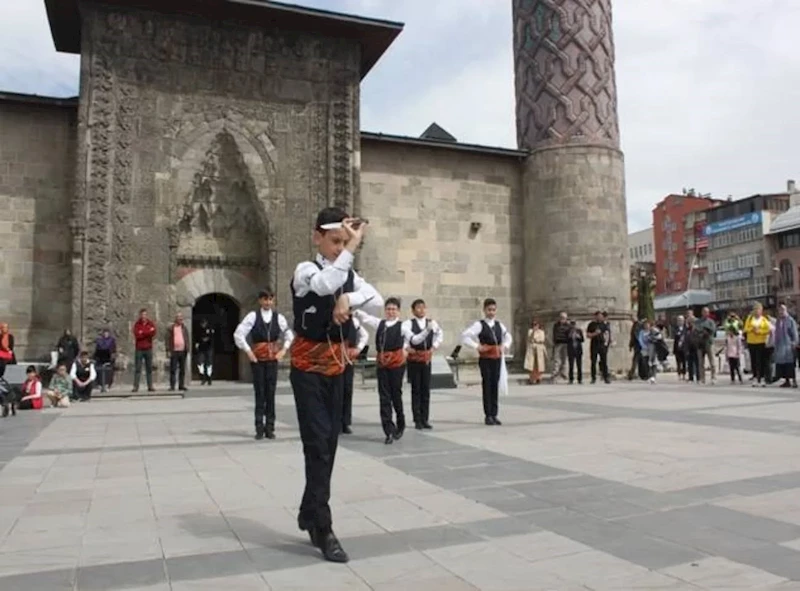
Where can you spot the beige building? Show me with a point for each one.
(187, 173)
(641, 248)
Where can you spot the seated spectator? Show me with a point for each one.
(60, 390)
(7, 399)
(83, 377)
(31, 391)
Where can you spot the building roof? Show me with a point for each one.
(788, 220)
(374, 35)
(687, 299)
(446, 144)
(435, 132)
(35, 99)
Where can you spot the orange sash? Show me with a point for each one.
(315, 357)
(391, 359)
(266, 351)
(494, 352)
(420, 355)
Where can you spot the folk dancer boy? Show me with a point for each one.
(427, 337)
(357, 338)
(269, 338)
(491, 339)
(390, 350)
(324, 291)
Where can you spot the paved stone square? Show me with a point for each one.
(618, 487)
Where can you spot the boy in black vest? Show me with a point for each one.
(260, 335)
(357, 339)
(390, 357)
(426, 338)
(83, 377)
(491, 339)
(325, 291)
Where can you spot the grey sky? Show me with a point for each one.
(707, 88)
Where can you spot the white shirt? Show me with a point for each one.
(419, 338)
(308, 277)
(373, 322)
(469, 338)
(73, 373)
(363, 335)
(249, 321)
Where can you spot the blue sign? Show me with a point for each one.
(742, 221)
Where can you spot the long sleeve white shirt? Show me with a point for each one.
(419, 338)
(469, 338)
(249, 321)
(363, 335)
(73, 373)
(308, 277)
(373, 322)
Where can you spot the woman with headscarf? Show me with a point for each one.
(105, 349)
(68, 348)
(785, 340)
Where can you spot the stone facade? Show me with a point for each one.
(202, 147)
(421, 203)
(37, 151)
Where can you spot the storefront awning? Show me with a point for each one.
(687, 299)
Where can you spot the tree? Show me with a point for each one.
(645, 290)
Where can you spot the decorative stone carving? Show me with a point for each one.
(564, 72)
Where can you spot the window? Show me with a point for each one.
(787, 278)
(752, 259)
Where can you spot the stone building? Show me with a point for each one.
(206, 135)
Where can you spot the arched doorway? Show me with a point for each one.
(222, 313)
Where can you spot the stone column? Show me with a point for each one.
(575, 244)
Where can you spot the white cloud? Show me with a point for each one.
(707, 88)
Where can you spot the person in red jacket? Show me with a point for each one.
(144, 330)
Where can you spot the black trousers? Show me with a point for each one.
(177, 364)
(759, 361)
(490, 383)
(347, 396)
(575, 357)
(205, 360)
(419, 375)
(680, 361)
(265, 378)
(599, 353)
(390, 397)
(144, 358)
(318, 400)
(692, 364)
(733, 366)
(84, 393)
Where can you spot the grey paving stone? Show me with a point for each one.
(284, 556)
(53, 580)
(208, 565)
(501, 527)
(758, 528)
(429, 538)
(120, 575)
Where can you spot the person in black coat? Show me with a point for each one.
(679, 347)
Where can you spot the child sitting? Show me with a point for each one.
(31, 391)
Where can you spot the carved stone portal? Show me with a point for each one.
(218, 217)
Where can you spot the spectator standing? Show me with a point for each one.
(144, 331)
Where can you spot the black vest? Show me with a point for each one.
(491, 336)
(428, 342)
(389, 339)
(263, 332)
(82, 372)
(313, 313)
(351, 335)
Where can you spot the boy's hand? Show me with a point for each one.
(341, 313)
(355, 232)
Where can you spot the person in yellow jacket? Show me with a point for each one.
(757, 329)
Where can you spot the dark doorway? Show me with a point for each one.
(222, 313)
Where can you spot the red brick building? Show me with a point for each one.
(678, 222)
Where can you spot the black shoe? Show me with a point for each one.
(418, 426)
(488, 421)
(398, 433)
(594, 380)
(426, 425)
(389, 440)
(183, 389)
(496, 421)
(203, 382)
(269, 434)
(209, 382)
(13, 409)
(347, 430)
(331, 548)
(607, 380)
(259, 433)
(135, 390)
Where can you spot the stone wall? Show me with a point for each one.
(421, 202)
(36, 172)
(204, 148)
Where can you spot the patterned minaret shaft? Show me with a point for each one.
(576, 255)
